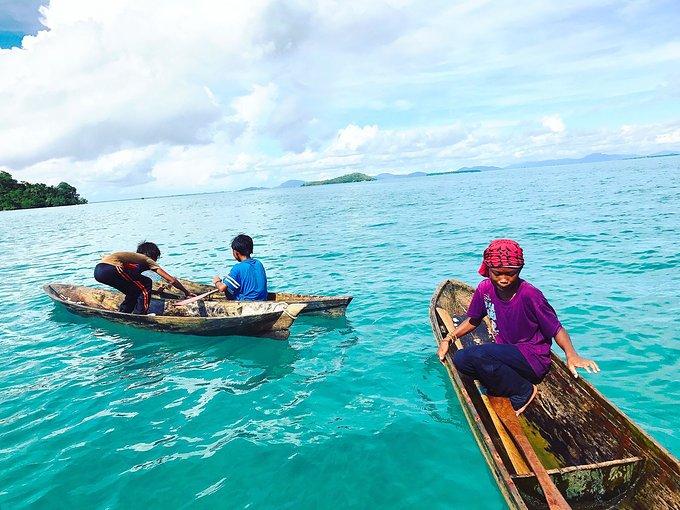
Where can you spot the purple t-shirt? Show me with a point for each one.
(527, 321)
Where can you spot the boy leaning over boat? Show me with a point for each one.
(123, 270)
(247, 280)
(523, 325)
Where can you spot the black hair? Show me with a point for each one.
(243, 244)
(149, 249)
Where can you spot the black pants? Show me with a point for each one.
(501, 368)
(135, 286)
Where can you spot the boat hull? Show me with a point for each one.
(596, 456)
(204, 319)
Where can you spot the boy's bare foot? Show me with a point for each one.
(531, 398)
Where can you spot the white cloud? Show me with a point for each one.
(256, 107)
(126, 97)
(354, 137)
(554, 123)
(667, 138)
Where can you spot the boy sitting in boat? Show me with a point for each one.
(523, 325)
(123, 270)
(247, 280)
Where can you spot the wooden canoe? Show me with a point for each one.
(329, 305)
(216, 318)
(596, 456)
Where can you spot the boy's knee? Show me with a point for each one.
(469, 357)
(461, 358)
(468, 361)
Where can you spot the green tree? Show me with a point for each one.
(24, 195)
(6, 182)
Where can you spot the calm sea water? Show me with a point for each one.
(353, 412)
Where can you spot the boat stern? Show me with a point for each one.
(288, 316)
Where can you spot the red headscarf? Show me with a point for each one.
(502, 253)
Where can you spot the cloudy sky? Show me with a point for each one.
(139, 98)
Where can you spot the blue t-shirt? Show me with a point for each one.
(247, 281)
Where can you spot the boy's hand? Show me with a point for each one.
(216, 280)
(576, 361)
(443, 349)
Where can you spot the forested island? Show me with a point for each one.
(355, 177)
(24, 195)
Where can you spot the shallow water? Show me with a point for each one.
(352, 412)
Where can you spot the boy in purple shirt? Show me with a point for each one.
(523, 325)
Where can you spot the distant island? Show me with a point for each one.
(24, 195)
(252, 188)
(360, 177)
(590, 158)
(596, 157)
(391, 177)
(467, 170)
(355, 177)
(657, 155)
(293, 183)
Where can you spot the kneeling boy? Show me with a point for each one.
(247, 280)
(123, 270)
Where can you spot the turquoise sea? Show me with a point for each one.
(349, 413)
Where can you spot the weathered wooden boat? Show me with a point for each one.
(596, 456)
(329, 305)
(216, 318)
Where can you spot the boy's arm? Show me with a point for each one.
(173, 281)
(461, 330)
(476, 310)
(230, 283)
(217, 281)
(574, 361)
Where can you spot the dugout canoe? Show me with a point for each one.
(596, 456)
(328, 305)
(216, 318)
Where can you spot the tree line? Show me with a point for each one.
(24, 195)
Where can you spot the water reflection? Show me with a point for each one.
(432, 405)
(146, 354)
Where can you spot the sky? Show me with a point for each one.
(143, 98)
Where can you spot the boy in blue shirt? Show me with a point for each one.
(247, 280)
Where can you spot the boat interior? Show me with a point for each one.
(166, 291)
(109, 301)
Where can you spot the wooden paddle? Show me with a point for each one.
(503, 408)
(516, 459)
(196, 298)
